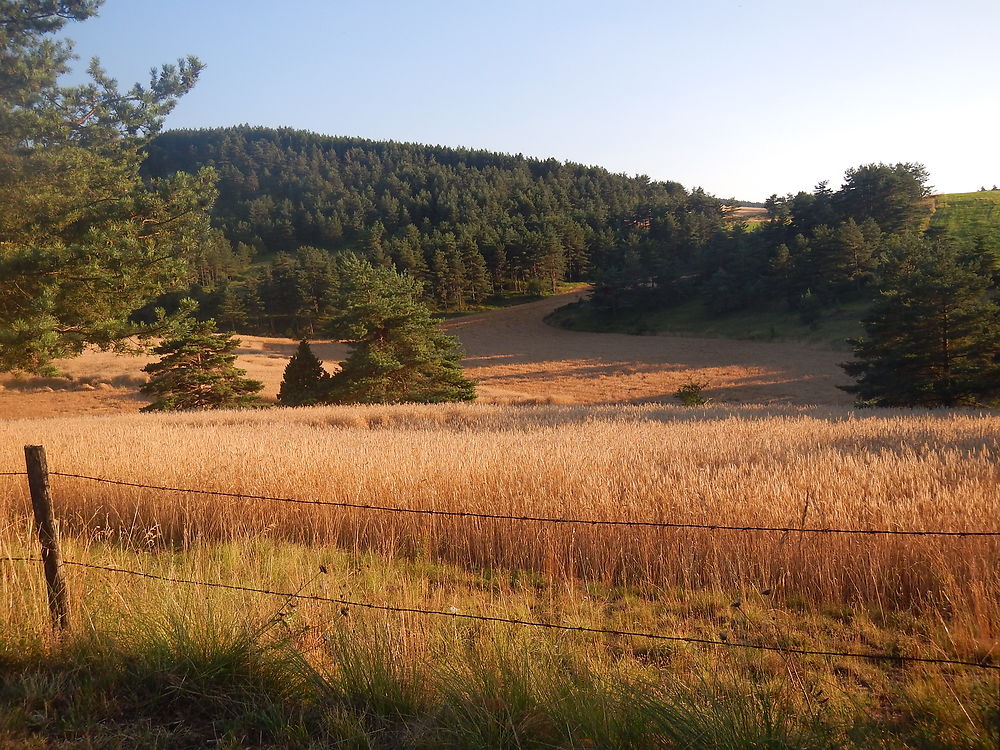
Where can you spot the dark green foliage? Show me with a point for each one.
(692, 393)
(85, 238)
(889, 195)
(820, 246)
(294, 294)
(399, 353)
(305, 382)
(933, 336)
(196, 371)
(467, 224)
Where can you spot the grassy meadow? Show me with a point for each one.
(691, 319)
(197, 666)
(972, 217)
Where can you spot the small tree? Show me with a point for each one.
(692, 393)
(305, 382)
(933, 336)
(196, 371)
(399, 353)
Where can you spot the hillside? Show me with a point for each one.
(469, 224)
(806, 272)
(972, 217)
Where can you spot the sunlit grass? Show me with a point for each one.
(426, 681)
(971, 217)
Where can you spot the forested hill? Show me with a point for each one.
(468, 223)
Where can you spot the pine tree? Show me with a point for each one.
(84, 241)
(399, 353)
(232, 313)
(305, 382)
(196, 371)
(933, 336)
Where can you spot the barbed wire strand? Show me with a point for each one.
(528, 623)
(540, 519)
(13, 473)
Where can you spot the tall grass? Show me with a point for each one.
(748, 467)
(388, 680)
(155, 665)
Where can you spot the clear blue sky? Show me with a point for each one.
(742, 97)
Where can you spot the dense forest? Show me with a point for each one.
(468, 224)
(815, 250)
(295, 210)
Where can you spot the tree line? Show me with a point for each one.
(469, 225)
(932, 336)
(817, 249)
(113, 235)
(398, 353)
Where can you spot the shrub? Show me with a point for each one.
(691, 394)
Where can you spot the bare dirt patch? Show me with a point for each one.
(515, 356)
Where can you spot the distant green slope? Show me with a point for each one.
(972, 217)
(691, 319)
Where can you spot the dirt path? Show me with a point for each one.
(515, 356)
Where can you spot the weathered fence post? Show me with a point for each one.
(41, 503)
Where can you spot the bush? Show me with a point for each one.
(691, 394)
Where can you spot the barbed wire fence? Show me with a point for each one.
(41, 499)
(540, 519)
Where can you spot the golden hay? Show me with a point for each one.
(753, 466)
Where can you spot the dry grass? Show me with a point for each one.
(150, 663)
(754, 467)
(569, 455)
(514, 355)
(778, 465)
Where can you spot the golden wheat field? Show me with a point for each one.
(777, 466)
(570, 431)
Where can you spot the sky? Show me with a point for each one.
(743, 98)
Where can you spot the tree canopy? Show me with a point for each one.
(467, 224)
(933, 335)
(399, 352)
(84, 240)
(304, 382)
(816, 249)
(197, 371)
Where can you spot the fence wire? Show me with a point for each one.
(528, 623)
(539, 519)
(514, 621)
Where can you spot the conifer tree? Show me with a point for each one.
(933, 336)
(305, 382)
(399, 353)
(197, 371)
(84, 241)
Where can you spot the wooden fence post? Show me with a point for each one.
(41, 503)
